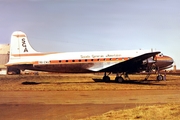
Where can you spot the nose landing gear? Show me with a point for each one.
(159, 76)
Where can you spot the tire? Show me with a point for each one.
(160, 78)
(119, 79)
(106, 79)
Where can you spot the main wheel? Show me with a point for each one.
(106, 78)
(159, 77)
(119, 79)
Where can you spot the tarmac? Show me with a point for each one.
(27, 102)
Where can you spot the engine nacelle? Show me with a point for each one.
(149, 64)
(148, 61)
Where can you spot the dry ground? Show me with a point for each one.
(77, 96)
(67, 82)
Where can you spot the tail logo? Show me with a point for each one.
(24, 45)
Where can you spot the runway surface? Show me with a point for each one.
(75, 96)
(67, 105)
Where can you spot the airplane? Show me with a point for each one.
(24, 57)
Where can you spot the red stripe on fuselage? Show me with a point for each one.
(80, 60)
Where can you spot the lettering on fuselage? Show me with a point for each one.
(97, 56)
(85, 56)
(113, 55)
(101, 56)
(44, 62)
(24, 45)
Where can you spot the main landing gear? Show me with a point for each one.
(118, 78)
(106, 78)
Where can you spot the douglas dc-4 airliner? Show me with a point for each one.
(124, 62)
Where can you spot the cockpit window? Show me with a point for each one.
(161, 55)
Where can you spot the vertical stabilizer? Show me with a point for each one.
(19, 45)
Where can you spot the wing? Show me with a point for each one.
(131, 65)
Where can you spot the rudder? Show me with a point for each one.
(19, 44)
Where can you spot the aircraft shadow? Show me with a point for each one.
(34, 83)
(141, 82)
(37, 83)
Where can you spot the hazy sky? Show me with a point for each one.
(94, 25)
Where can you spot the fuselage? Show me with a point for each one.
(79, 62)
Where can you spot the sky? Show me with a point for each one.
(94, 25)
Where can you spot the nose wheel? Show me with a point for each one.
(160, 77)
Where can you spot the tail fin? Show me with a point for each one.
(19, 45)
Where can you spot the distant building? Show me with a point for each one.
(4, 57)
(174, 68)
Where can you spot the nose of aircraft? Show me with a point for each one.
(164, 61)
(170, 60)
